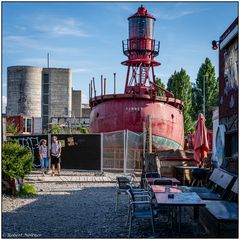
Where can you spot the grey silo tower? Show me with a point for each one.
(24, 91)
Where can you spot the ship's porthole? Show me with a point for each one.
(97, 115)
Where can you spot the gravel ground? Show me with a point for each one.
(77, 210)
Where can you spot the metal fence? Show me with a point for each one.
(119, 151)
(122, 151)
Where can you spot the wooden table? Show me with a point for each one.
(173, 180)
(179, 200)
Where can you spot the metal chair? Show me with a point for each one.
(121, 188)
(140, 209)
(136, 195)
(150, 175)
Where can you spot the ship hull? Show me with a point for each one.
(130, 114)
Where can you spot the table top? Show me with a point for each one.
(180, 199)
(186, 167)
(165, 189)
(174, 180)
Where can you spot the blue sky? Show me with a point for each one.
(86, 37)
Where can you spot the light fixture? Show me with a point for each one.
(215, 44)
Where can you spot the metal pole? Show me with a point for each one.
(204, 99)
(125, 151)
(94, 87)
(144, 139)
(48, 58)
(114, 83)
(101, 85)
(101, 152)
(91, 89)
(149, 129)
(49, 147)
(126, 84)
(105, 81)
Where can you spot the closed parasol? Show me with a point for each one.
(200, 140)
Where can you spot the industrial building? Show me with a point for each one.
(41, 93)
(86, 110)
(24, 91)
(56, 93)
(76, 104)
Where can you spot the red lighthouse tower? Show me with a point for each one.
(141, 48)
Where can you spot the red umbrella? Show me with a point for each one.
(200, 140)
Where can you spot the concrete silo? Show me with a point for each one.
(24, 91)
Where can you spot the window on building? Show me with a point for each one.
(45, 120)
(45, 88)
(45, 109)
(45, 78)
(27, 125)
(65, 111)
(45, 99)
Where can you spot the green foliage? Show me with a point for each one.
(27, 190)
(179, 84)
(56, 129)
(17, 161)
(11, 128)
(161, 84)
(84, 130)
(206, 72)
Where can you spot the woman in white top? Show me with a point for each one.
(44, 155)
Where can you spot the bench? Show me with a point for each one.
(219, 186)
(220, 218)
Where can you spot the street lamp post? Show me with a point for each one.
(204, 99)
(204, 95)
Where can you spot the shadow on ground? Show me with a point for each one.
(87, 212)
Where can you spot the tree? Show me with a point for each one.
(179, 84)
(11, 129)
(161, 84)
(206, 73)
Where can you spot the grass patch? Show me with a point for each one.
(27, 190)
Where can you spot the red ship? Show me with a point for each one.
(114, 112)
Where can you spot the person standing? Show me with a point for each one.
(55, 155)
(44, 155)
